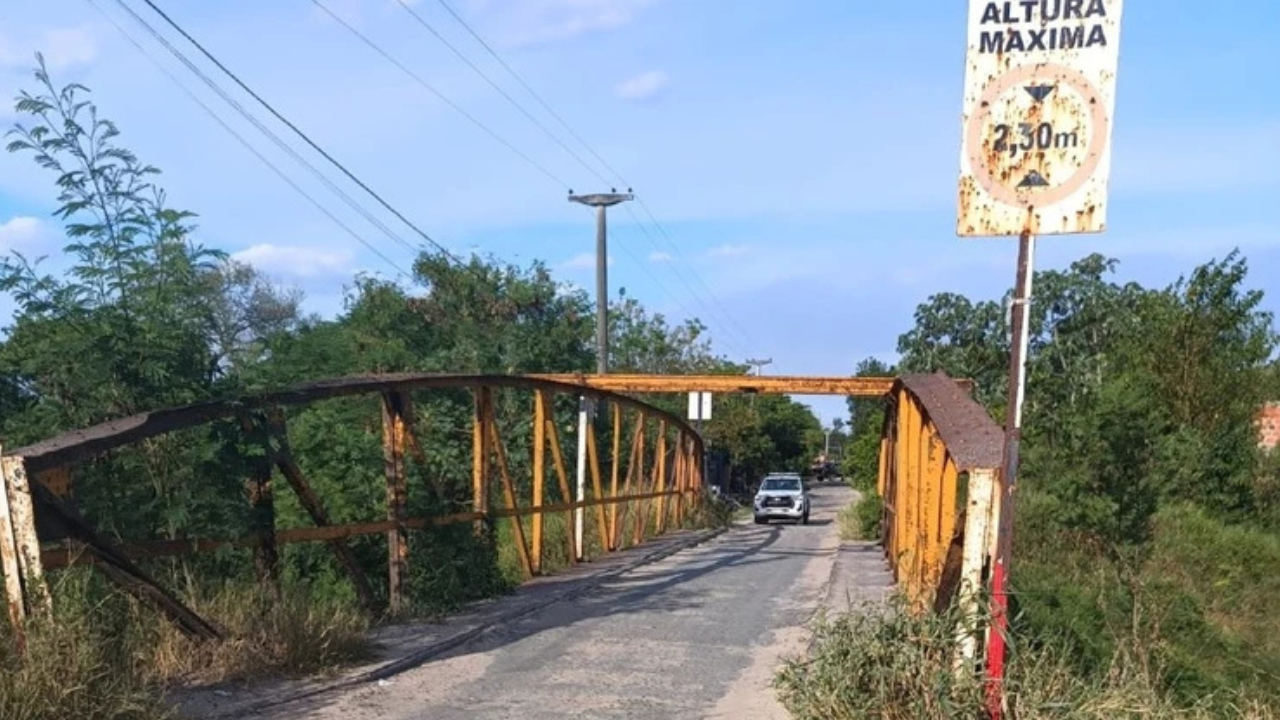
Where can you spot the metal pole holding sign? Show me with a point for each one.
(1035, 159)
(996, 642)
(700, 410)
(585, 411)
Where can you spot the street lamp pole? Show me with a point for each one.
(599, 201)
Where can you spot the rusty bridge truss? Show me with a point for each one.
(643, 477)
(938, 465)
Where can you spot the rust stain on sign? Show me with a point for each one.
(1038, 101)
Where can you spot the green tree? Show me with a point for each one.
(860, 461)
(125, 329)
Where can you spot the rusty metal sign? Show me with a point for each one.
(1039, 95)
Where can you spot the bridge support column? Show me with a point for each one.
(539, 476)
(393, 451)
(480, 458)
(24, 587)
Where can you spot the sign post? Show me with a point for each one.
(1039, 96)
(699, 410)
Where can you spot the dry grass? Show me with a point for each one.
(896, 667)
(81, 666)
(860, 520)
(289, 633)
(104, 656)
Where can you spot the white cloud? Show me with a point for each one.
(23, 233)
(62, 47)
(68, 47)
(644, 86)
(659, 257)
(729, 250)
(585, 261)
(298, 262)
(529, 22)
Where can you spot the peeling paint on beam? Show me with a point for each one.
(873, 387)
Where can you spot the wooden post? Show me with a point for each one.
(539, 474)
(480, 456)
(282, 456)
(393, 448)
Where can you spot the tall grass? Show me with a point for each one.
(103, 655)
(860, 519)
(290, 632)
(893, 665)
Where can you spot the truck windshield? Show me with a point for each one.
(780, 483)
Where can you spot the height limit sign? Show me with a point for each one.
(1039, 95)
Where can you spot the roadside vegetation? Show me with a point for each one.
(136, 314)
(860, 519)
(1147, 542)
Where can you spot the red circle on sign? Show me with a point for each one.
(979, 156)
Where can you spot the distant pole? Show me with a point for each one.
(601, 201)
(759, 364)
(1009, 474)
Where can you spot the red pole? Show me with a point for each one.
(996, 645)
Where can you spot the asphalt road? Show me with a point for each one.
(697, 635)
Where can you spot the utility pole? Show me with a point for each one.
(758, 364)
(599, 201)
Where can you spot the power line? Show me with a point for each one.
(529, 89)
(715, 304)
(288, 149)
(644, 267)
(514, 103)
(735, 327)
(409, 72)
(421, 233)
(247, 145)
(417, 78)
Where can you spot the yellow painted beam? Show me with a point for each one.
(762, 384)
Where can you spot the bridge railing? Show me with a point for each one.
(642, 468)
(940, 453)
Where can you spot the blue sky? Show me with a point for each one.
(801, 156)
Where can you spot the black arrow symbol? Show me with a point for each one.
(1033, 179)
(1038, 92)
